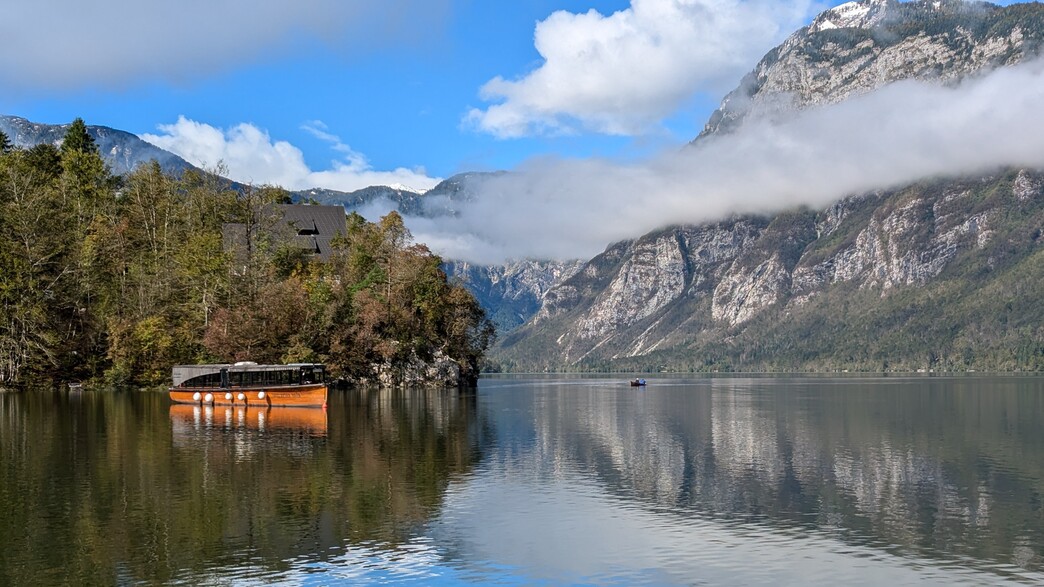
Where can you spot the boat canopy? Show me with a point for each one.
(183, 373)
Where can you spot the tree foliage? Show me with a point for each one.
(78, 140)
(121, 278)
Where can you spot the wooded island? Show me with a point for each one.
(117, 278)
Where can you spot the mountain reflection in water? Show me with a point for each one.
(715, 480)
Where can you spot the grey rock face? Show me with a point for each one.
(513, 292)
(619, 302)
(440, 371)
(1025, 188)
(742, 293)
(630, 297)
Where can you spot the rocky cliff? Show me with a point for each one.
(511, 293)
(944, 274)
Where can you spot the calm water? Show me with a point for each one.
(717, 481)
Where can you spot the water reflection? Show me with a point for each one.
(717, 480)
(945, 470)
(191, 421)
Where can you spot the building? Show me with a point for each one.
(309, 227)
(313, 226)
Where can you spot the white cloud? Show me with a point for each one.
(72, 43)
(624, 73)
(251, 156)
(902, 133)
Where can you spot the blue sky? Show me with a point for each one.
(587, 102)
(394, 83)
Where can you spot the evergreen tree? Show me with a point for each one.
(78, 140)
(45, 158)
(5, 142)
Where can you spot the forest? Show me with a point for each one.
(114, 279)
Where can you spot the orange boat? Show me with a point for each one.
(248, 384)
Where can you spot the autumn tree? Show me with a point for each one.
(393, 303)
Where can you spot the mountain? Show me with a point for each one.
(513, 292)
(406, 201)
(121, 150)
(443, 199)
(857, 47)
(942, 274)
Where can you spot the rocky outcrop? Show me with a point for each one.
(629, 297)
(742, 293)
(438, 371)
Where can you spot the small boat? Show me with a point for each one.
(637, 383)
(248, 384)
(75, 386)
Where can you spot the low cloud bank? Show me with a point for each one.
(554, 208)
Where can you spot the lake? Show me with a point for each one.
(535, 481)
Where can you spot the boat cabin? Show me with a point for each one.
(247, 375)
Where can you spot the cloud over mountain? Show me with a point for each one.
(623, 73)
(907, 131)
(250, 155)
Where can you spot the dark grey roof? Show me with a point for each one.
(315, 226)
(310, 227)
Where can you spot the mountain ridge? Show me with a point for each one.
(121, 150)
(941, 41)
(868, 283)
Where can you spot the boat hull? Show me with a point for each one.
(299, 396)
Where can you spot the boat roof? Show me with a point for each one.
(182, 373)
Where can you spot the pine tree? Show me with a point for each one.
(5, 142)
(77, 139)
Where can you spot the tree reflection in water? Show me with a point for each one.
(102, 487)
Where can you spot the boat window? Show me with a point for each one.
(312, 375)
(265, 378)
(208, 380)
